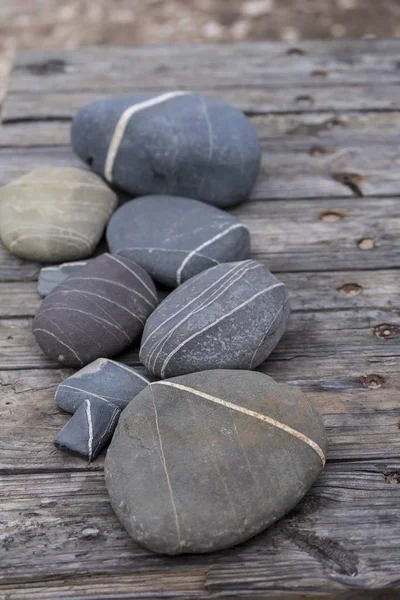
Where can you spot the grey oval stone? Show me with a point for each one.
(174, 238)
(177, 143)
(55, 214)
(95, 313)
(205, 461)
(50, 277)
(108, 381)
(228, 317)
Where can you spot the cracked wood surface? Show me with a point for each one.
(324, 217)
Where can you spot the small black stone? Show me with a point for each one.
(175, 238)
(228, 317)
(89, 429)
(107, 380)
(178, 143)
(95, 313)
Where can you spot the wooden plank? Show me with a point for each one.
(311, 291)
(344, 535)
(296, 235)
(304, 156)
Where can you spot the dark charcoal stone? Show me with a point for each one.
(178, 143)
(50, 277)
(188, 472)
(228, 317)
(175, 238)
(89, 430)
(96, 313)
(107, 380)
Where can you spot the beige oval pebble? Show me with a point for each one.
(55, 214)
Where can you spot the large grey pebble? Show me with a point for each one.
(55, 214)
(108, 381)
(228, 317)
(50, 277)
(96, 313)
(175, 238)
(89, 430)
(177, 143)
(205, 461)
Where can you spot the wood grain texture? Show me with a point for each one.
(324, 545)
(325, 218)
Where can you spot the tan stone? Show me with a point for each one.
(55, 214)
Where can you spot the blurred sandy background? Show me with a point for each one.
(72, 23)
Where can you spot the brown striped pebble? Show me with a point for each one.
(96, 313)
(55, 214)
(228, 317)
(206, 461)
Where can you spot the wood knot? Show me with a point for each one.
(372, 381)
(304, 100)
(90, 532)
(350, 289)
(319, 73)
(387, 331)
(318, 151)
(350, 180)
(47, 67)
(366, 244)
(392, 477)
(295, 52)
(331, 216)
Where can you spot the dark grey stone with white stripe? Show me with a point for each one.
(186, 473)
(228, 317)
(177, 143)
(174, 238)
(95, 313)
(50, 277)
(108, 381)
(89, 430)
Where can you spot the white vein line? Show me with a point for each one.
(250, 413)
(210, 142)
(71, 387)
(86, 293)
(225, 316)
(122, 124)
(59, 340)
(135, 275)
(166, 472)
(132, 371)
(110, 425)
(267, 332)
(151, 248)
(189, 303)
(110, 281)
(90, 428)
(215, 294)
(204, 245)
(94, 317)
(207, 302)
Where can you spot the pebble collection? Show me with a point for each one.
(205, 452)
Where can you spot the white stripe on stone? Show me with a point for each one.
(122, 124)
(228, 314)
(153, 295)
(250, 413)
(90, 428)
(204, 245)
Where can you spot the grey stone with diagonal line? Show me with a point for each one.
(89, 430)
(189, 474)
(109, 381)
(95, 313)
(180, 144)
(228, 317)
(175, 238)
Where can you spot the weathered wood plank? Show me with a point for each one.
(304, 156)
(344, 290)
(326, 544)
(298, 235)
